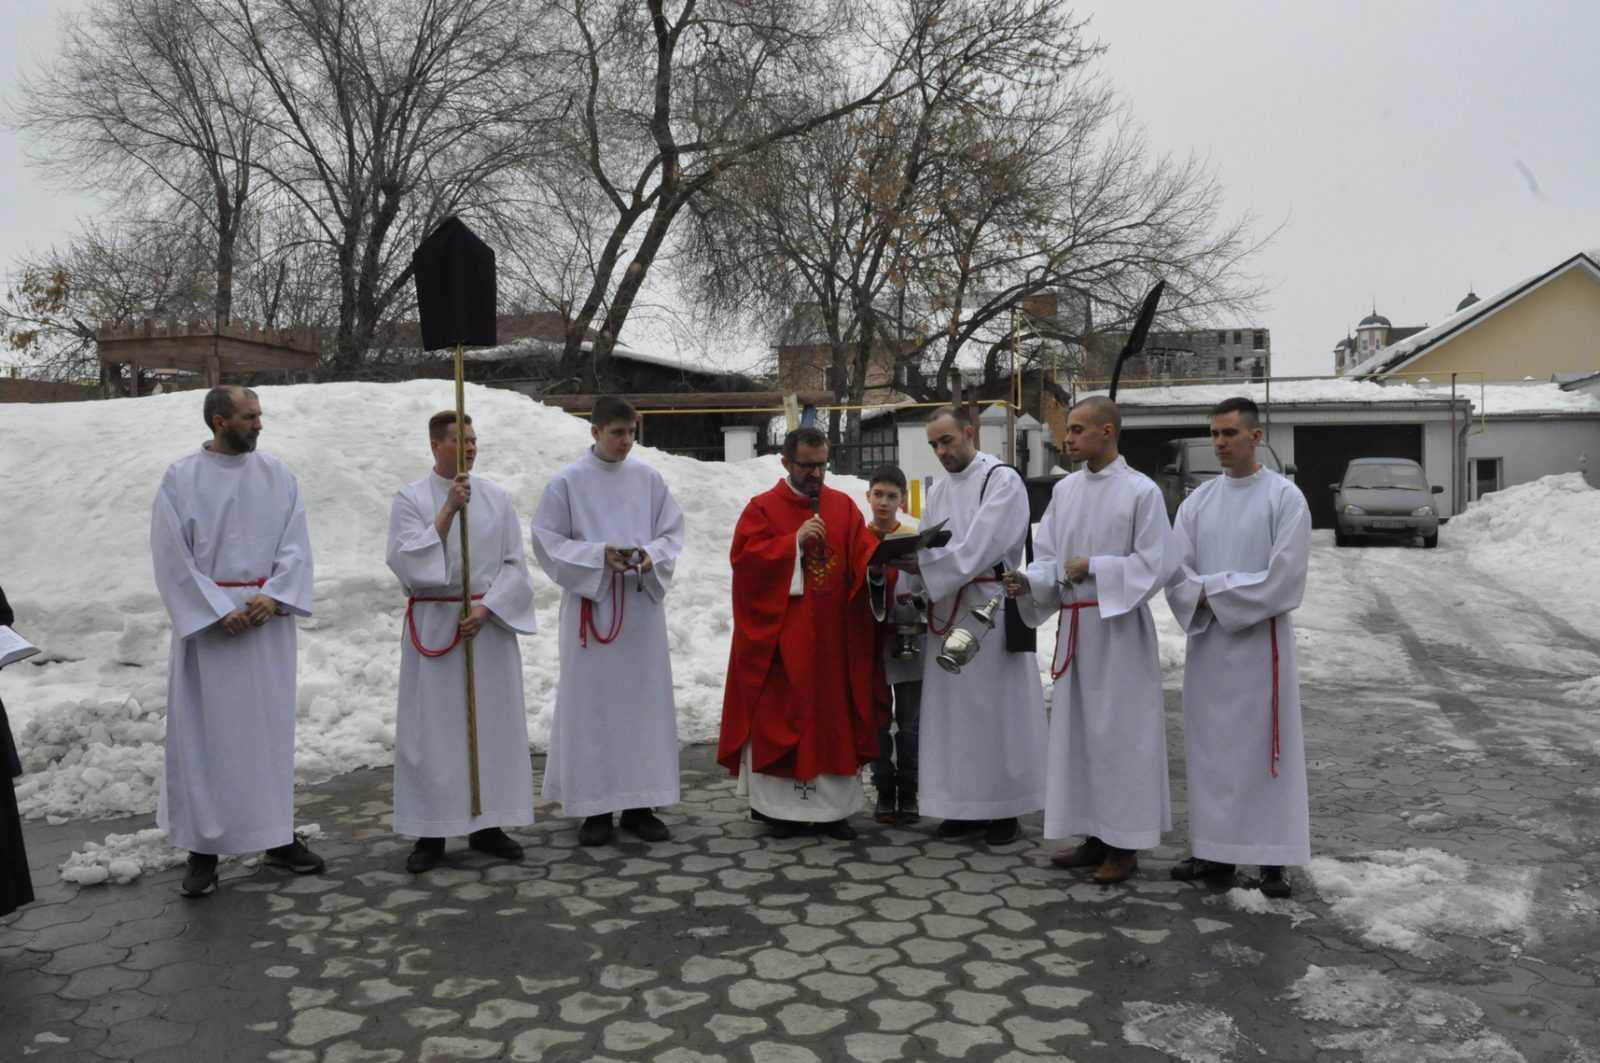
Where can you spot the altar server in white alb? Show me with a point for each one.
(432, 784)
(1102, 551)
(1242, 543)
(983, 731)
(232, 559)
(609, 533)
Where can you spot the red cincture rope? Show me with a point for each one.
(1072, 638)
(416, 639)
(586, 624)
(945, 629)
(257, 583)
(1276, 751)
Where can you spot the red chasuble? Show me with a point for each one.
(802, 684)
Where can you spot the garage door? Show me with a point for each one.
(1322, 451)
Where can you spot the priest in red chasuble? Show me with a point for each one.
(805, 696)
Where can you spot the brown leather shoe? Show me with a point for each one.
(1119, 866)
(1091, 853)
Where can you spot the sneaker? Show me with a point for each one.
(1274, 883)
(295, 857)
(1092, 853)
(425, 855)
(201, 878)
(1002, 831)
(886, 812)
(1195, 868)
(840, 830)
(1119, 866)
(643, 824)
(956, 828)
(596, 830)
(495, 842)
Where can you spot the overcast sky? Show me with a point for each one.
(1408, 149)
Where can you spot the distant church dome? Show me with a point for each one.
(1374, 318)
(1467, 300)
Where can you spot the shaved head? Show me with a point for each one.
(1101, 410)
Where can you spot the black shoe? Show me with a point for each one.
(643, 824)
(885, 812)
(295, 857)
(201, 878)
(425, 855)
(906, 791)
(840, 830)
(956, 828)
(1274, 883)
(1002, 831)
(787, 828)
(596, 830)
(495, 842)
(1195, 868)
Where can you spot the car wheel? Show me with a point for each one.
(1340, 539)
(1430, 541)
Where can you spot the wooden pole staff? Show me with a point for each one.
(466, 585)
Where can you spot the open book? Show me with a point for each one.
(14, 648)
(904, 545)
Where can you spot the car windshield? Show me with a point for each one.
(1203, 460)
(1379, 477)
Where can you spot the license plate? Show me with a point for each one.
(1388, 524)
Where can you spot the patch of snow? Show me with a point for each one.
(122, 858)
(1384, 1021)
(1583, 692)
(1188, 1032)
(1540, 536)
(1405, 899)
(1257, 903)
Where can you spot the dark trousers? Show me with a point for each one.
(896, 765)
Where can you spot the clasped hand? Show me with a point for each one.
(620, 559)
(257, 610)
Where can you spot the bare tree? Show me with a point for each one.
(145, 102)
(670, 100)
(388, 116)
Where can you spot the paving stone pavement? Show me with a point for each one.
(726, 944)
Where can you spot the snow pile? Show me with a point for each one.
(90, 722)
(1257, 903)
(1540, 536)
(1384, 1021)
(1403, 899)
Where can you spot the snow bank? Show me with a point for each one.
(121, 858)
(90, 721)
(1401, 899)
(1540, 536)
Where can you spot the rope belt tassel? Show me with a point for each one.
(949, 625)
(586, 624)
(1276, 748)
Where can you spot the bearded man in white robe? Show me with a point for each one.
(1242, 544)
(609, 532)
(1101, 552)
(232, 556)
(983, 735)
(432, 783)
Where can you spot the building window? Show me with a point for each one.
(1238, 362)
(1485, 476)
(1222, 337)
(1237, 338)
(1258, 340)
(1222, 365)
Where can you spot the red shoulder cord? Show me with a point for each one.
(586, 624)
(1072, 639)
(411, 626)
